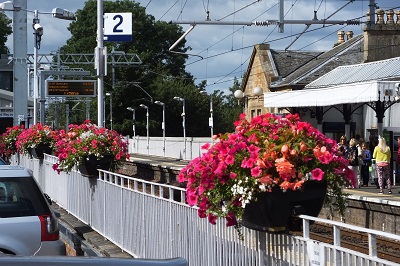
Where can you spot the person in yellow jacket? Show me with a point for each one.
(382, 155)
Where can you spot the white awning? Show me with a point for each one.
(364, 72)
(340, 94)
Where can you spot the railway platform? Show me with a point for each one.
(172, 164)
(366, 207)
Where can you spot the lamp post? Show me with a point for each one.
(211, 119)
(147, 126)
(99, 62)
(38, 32)
(240, 95)
(104, 113)
(133, 125)
(111, 118)
(183, 124)
(163, 122)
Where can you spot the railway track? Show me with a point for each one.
(386, 248)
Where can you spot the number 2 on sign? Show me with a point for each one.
(121, 19)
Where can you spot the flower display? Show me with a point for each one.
(268, 152)
(8, 140)
(36, 135)
(85, 140)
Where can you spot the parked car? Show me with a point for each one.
(98, 261)
(28, 226)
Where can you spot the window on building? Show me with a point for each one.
(253, 113)
(6, 80)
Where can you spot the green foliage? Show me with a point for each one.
(5, 31)
(231, 109)
(162, 76)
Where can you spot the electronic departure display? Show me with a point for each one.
(71, 88)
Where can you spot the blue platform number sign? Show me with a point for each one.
(117, 27)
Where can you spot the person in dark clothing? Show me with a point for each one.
(373, 141)
(365, 165)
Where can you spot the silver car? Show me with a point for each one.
(28, 226)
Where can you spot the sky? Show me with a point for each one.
(222, 52)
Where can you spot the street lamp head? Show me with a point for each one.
(159, 103)
(63, 14)
(258, 91)
(144, 106)
(108, 94)
(9, 6)
(38, 29)
(203, 92)
(130, 109)
(178, 99)
(239, 94)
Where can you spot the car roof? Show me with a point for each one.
(14, 171)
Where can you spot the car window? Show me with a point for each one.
(21, 197)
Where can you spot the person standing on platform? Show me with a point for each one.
(361, 156)
(352, 157)
(398, 151)
(365, 164)
(398, 158)
(382, 155)
(372, 143)
(342, 146)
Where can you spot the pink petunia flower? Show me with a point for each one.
(317, 174)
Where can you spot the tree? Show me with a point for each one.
(161, 77)
(231, 109)
(152, 40)
(5, 31)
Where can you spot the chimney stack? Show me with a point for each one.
(349, 34)
(381, 39)
(340, 38)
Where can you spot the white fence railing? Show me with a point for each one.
(174, 146)
(150, 220)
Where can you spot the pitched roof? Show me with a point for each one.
(289, 61)
(283, 62)
(349, 52)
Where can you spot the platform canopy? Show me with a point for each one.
(359, 83)
(339, 94)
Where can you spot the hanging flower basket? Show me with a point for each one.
(39, 151)
(277, 211)
(37, 140)
(8, 141)
(89, 147)
(89, 166)
(268, 157)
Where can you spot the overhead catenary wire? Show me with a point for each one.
(148, 3)
(223, 38)
(181, 12)
(251, 46)
(240, 9)
(168, 10)
(276, 40)
(238, 72)
(208, 56)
